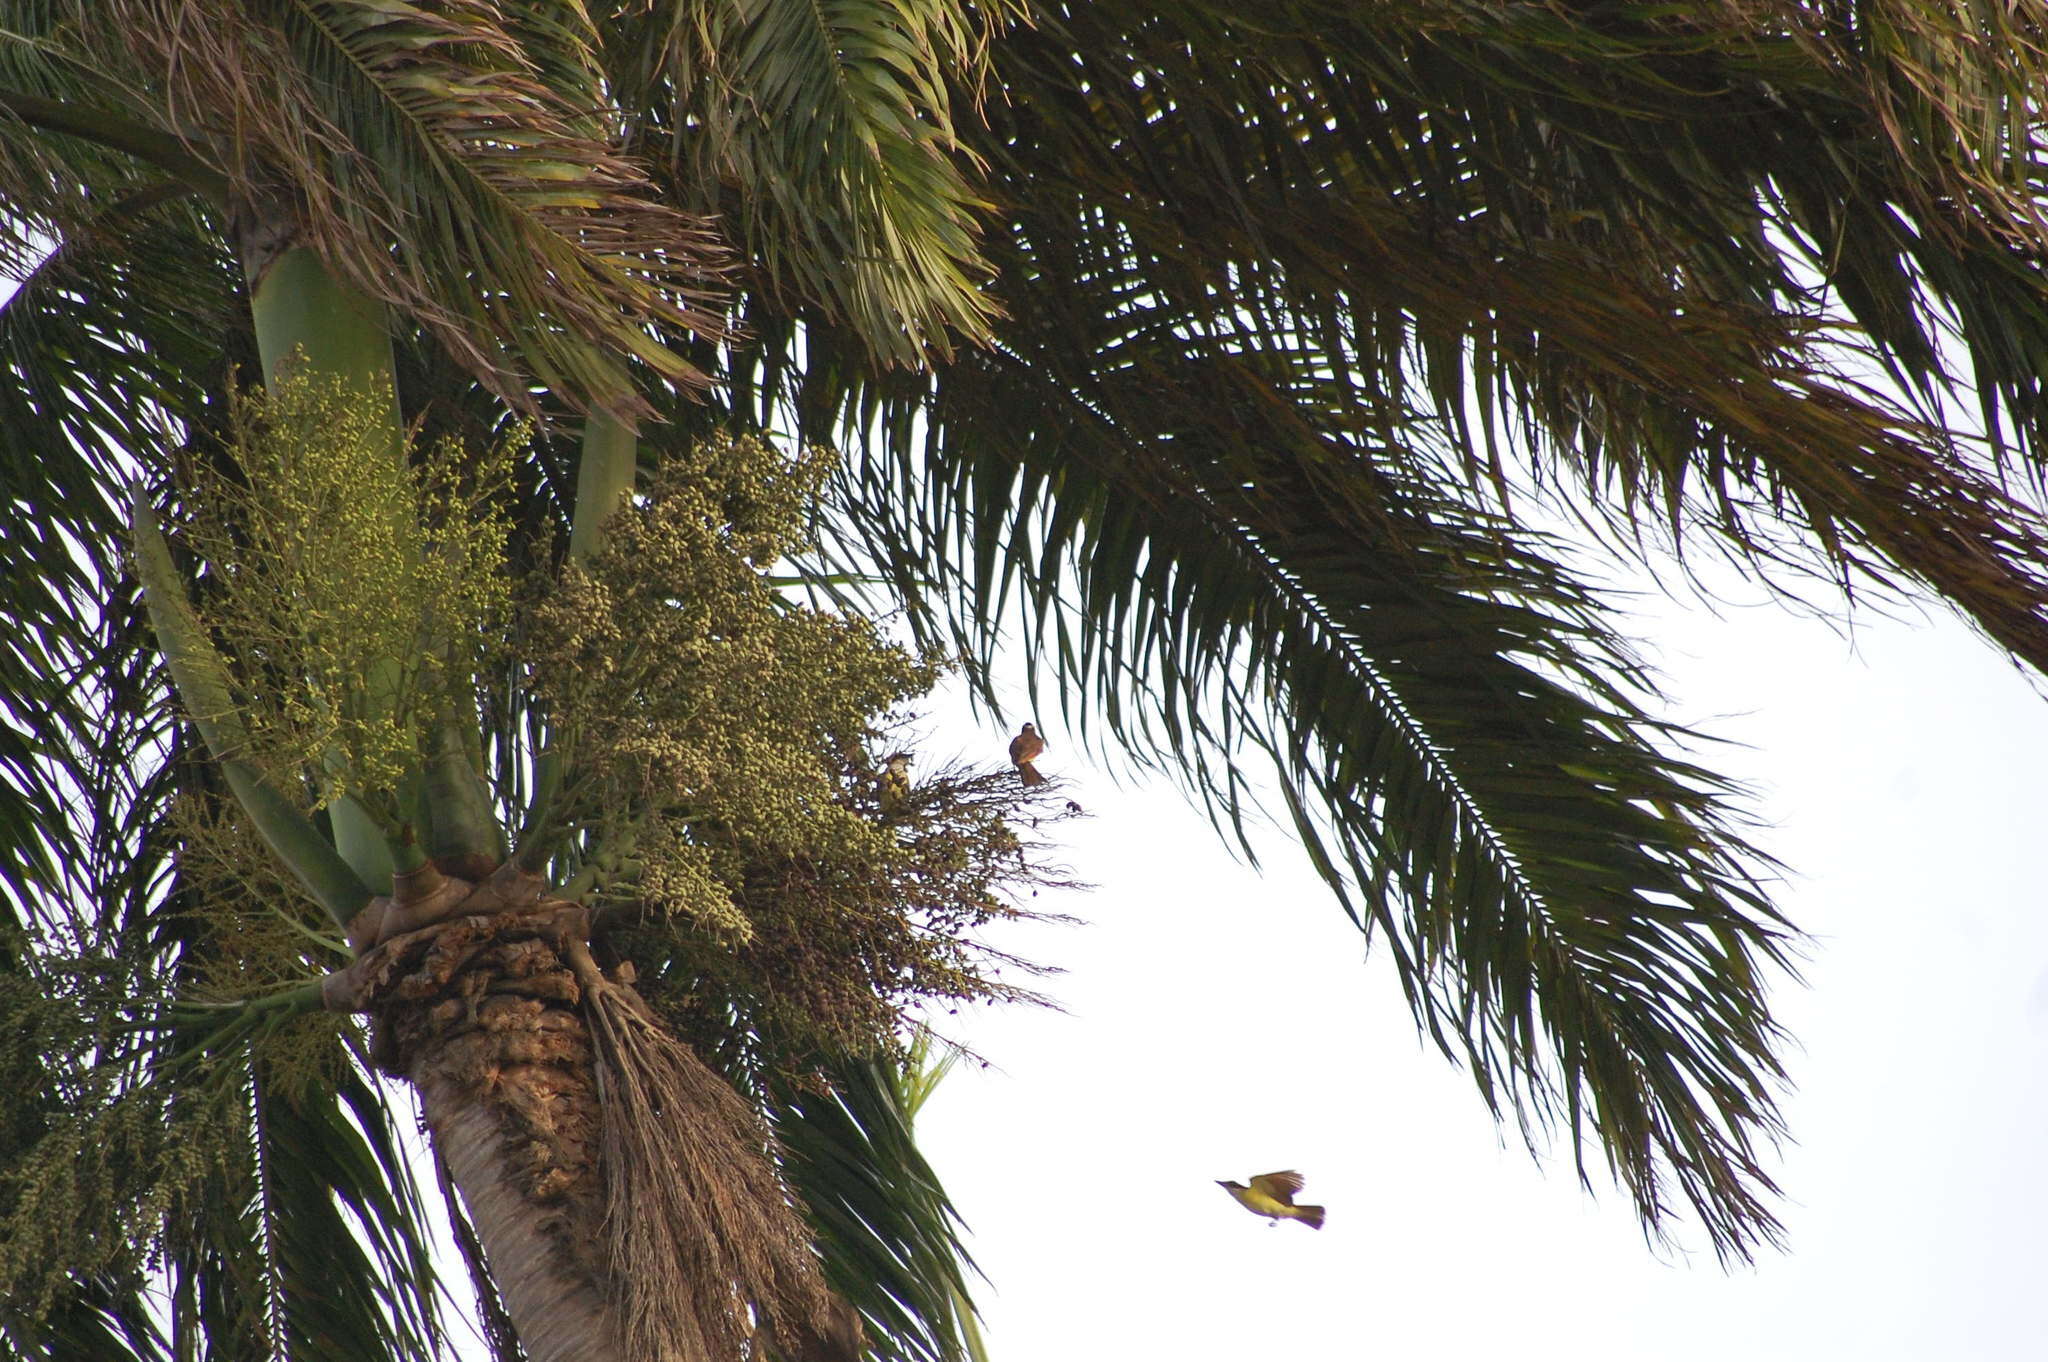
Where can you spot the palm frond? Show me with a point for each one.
(825, 138)
(1458, 735)
(105, 1315)
(1746, 150)
(106, 340)
(112, 341)
(346, 1248)
(437, 166)
(1192, 479)
(890, 1237)
(1586, 232)
(269, 1175)
(308, 1240)
(105, 1322)
(77, 156)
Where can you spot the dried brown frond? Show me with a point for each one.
(1954, 91)
(706, 1247)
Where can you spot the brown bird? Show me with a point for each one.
(1272, 1195)
(1025, 749)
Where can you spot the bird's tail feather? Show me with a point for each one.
(1030, 773)
(1311, 1216)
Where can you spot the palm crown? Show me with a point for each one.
(1216, 362)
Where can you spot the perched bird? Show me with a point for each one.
(1272, 1195)
(1025, 749)
(895, 782)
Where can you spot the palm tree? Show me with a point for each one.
(1230, 365)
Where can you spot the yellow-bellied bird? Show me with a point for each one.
(1272, 1195)
(895, 782)
(1025, 749)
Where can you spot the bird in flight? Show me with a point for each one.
(895, 782)
(1024, 750)
(1272, 1195)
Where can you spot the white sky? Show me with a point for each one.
(1220, 1023)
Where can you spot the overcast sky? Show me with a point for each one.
(1221, 1022)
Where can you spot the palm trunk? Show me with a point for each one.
(557, 1312)
(480, 1013)
(624, 1195)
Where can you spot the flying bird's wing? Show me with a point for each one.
(1279, 1186)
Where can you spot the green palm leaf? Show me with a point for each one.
(1192, 479)
(890, 1236)
(309, 1240)
(1238, 261)
(327, 1160)
(1456, 731)
(825, 138)
(105, 1316)
(531, 248)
